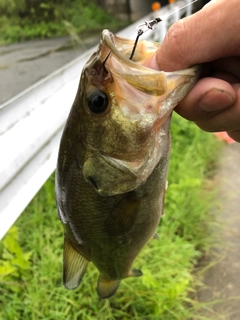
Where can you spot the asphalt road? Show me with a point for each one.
(25, 63)
(21, 65)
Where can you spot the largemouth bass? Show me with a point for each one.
(113, 160)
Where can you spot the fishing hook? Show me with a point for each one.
(147, 25)
(104, 62)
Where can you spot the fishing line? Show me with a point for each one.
(149, 25)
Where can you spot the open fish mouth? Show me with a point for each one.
(133, 71)
(141, 77)
(122, 49)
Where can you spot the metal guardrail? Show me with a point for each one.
(31, 124)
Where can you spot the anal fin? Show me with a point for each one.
(74, 266)
(105, 288)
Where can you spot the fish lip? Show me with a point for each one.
(108, 38)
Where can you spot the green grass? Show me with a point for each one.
(169, 281)
(51, 20)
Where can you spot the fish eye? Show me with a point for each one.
(97, 102)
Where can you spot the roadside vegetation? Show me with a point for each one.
(31, 253)
(22, 20)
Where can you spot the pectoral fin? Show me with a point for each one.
(135, 273)
(120, 221)
(106, 289)
(74, 266)
(155, 236)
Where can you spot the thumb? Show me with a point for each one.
(209, 34)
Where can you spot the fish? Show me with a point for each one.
(113, 160)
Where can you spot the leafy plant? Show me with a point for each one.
(13, 261)
(44, 19)
(12, 7)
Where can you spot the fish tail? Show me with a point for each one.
(74, 266)
(105, 288)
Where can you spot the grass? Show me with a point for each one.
(52, 20)
(169, 281)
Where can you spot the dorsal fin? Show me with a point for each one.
(74, 266)
(105, 288)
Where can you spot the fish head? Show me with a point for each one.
(125, 109)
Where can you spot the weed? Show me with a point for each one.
(46, 20)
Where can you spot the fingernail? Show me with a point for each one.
(215, 100)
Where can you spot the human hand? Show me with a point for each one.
(210, 37)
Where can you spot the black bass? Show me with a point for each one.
(113, 160)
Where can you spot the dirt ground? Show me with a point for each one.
(23, 64)
(222, 280)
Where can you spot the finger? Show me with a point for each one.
(227, 119)
(208, 97)
(207, 35)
